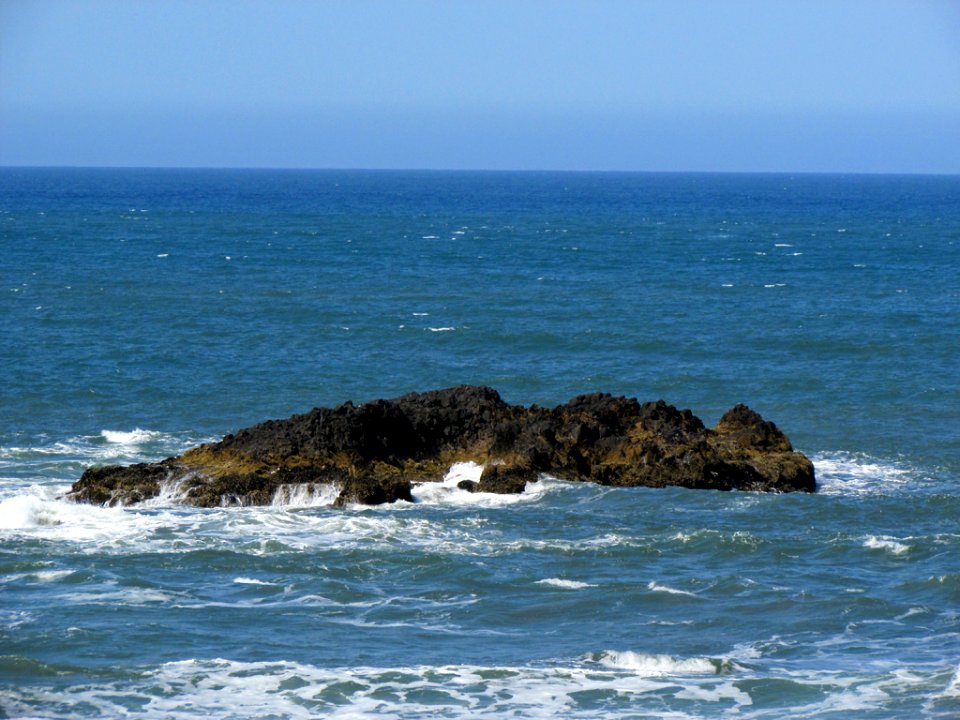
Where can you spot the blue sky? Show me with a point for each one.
(732, 85)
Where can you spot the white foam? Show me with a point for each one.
(861, 698)
(441, 329)
(566, 584)
(52, 575)
(251, 581)
(724, 691)
(107, 446)
(305, 495)
(889, 544)
(90, 526)
(658, 665)
(132, 437)
(25, 511)
(112, 595)
(656, 587)
(911, 612)
(856, 474)
(12, 619)
(446, 491)
(953, 687)
(200, 689)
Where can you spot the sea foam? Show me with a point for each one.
(843, 473)
(25, 511)
(446, 491)
(132, 437)
(196, 688)
(93, 528)
(658, 665)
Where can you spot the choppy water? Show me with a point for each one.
(142, 312)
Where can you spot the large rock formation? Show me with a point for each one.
(372, 453)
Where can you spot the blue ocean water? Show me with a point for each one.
(145, 311)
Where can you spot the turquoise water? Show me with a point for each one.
(144, 311)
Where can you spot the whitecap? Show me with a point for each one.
(911, 612)
(889, 544)
(108, 446)
(658, 665)
(132, 437)
(441, 329)
(656, 587)
(251, 581)
(51, 575)
(566, 584)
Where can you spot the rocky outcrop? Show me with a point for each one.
(373, 453)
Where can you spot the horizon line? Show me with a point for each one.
(571, 171)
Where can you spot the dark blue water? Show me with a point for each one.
(144, 311)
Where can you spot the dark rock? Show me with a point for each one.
(373, 491)
(744, 427)
(375, 451)
(121, 485)
(505, 479)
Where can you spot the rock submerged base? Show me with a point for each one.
(373, 453)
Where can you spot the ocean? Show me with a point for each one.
(144, 311)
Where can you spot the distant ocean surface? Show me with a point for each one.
(145, 311)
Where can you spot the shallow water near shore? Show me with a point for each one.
(146, 311)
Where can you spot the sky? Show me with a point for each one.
(649, 85)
